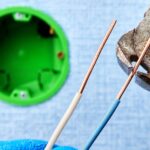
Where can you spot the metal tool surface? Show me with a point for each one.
(129, 48)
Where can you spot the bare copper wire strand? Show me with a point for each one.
(134, 70)
(96, 57)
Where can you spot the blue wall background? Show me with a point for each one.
(85, 23)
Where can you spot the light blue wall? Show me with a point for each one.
(85, 23)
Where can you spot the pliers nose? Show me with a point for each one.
(127, 54)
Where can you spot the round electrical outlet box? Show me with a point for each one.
(34, 60)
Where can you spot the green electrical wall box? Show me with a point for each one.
(34, 59)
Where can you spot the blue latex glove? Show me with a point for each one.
(28, 145)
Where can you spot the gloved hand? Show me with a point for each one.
(29, 145)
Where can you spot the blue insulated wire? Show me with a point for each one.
(102, 124)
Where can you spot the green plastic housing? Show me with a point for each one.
(34, 57)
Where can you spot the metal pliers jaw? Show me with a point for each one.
(126, 55)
